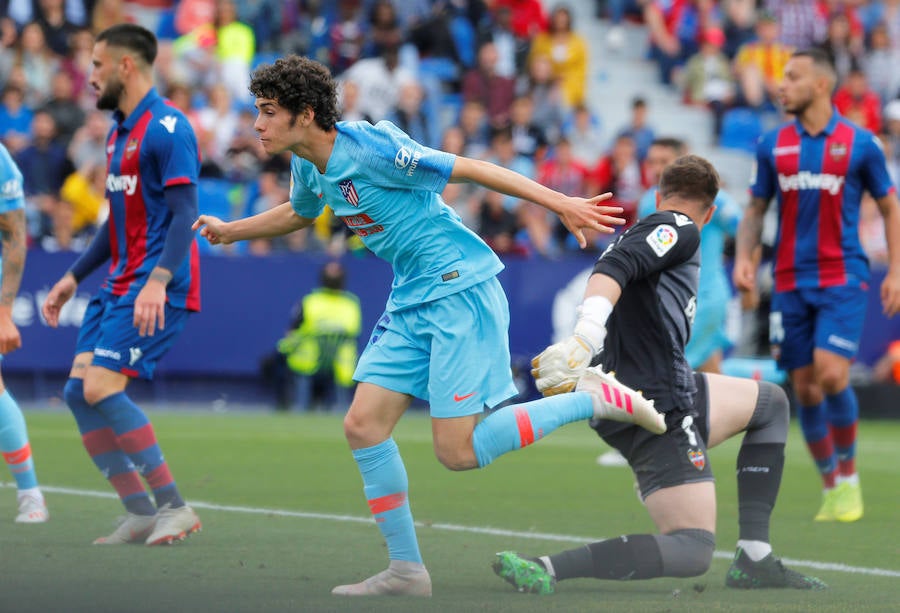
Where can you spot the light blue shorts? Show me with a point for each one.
(452, 352)
(708, 332)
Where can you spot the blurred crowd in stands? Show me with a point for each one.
(503, 80)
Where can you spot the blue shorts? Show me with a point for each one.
(108, 332)
(452, 352)
(829, 318)
(708, 331)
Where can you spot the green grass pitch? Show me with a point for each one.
(285, 520)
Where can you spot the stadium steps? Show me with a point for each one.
(617, 76)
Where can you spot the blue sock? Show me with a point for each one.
(136, 437)
(518, 425)
(386, 489)
(14, 443)
(842, 408)
(843, 415)
(108, 457)
(814, 425)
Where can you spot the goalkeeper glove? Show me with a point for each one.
(557, 369)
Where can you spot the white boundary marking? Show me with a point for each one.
(541, 536)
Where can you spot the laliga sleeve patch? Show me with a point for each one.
(662, 239)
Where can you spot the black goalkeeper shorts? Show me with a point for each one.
(665, 460)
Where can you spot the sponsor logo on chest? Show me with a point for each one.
(811, 180)
(121, 183)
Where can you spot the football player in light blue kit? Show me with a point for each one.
(708, 339)
(14, 444)
(443, 336)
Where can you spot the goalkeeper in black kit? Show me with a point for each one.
(635, 320)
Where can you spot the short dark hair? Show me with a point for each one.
(820, 59)
(297, 83)
(133, 37)
(690, 177)
(670, 142)
(332, 275)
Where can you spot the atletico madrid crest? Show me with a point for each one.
(349, 192)
(698, 459)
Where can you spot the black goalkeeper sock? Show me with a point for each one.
(759, 469)
(635, 556)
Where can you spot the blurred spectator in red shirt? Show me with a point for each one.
(527, 17)
(857, 102)
(621, 173)
(482, 83)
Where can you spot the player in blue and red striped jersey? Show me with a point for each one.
(152, 287)
(818, 167)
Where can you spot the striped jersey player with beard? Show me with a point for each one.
(817, 167)
(151, 289)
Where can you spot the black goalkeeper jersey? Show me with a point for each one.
(657, 264)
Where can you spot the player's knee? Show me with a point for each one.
(363, 430)
(809, 394)
(95, 391)
(454, 457)
(833, 380)
(687, 552)
(355, 430)
(73, 392)
(771, 416)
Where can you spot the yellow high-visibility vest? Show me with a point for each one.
(327, 335)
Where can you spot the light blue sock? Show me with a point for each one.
(386, 489)
(14, 442)
(519, 425)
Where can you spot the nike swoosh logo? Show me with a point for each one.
(459, 398)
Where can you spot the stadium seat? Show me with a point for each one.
(214, 197)
(263, 57)
(165, 29)
(464, 39)
(741, 128)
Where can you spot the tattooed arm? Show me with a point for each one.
(13, 238)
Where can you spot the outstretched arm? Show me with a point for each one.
(577, 214)
(277, 221)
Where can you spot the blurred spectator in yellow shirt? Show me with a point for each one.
(568, 55)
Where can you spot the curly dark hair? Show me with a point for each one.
(297, 83)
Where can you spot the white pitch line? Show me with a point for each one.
(540, 536)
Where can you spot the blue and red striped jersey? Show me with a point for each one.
(819, 182)
(153, 148)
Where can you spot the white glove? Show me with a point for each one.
(557, 368)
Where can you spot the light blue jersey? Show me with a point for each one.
(386, 187)
(12, 196)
